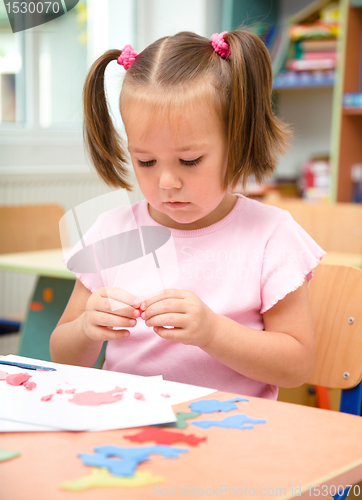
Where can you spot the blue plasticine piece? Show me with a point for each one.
(123, 461)
(235, 422)
(342, 496)
(214, 405)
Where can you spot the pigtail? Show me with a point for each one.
(102, 141)
(255, 135)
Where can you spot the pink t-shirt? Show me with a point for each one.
(240, 267)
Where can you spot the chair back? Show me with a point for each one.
(336, 294)
(26, 228)
(336, 227)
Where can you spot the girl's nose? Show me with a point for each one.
(169, 180)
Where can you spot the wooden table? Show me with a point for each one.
(51, 294)
(43, 263)
(343, 258)
(293, 455)
(49, 262)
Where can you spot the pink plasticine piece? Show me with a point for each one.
(91, 398)
(70, 391)
(165, 395)
(139, 396)
(161, 436)
(30, 385)
(17, 379)
(3, 375)
(59, 391)
(47, 398)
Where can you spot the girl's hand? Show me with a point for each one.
(192, 320)
(109, 308)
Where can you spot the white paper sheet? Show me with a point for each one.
(23, 410)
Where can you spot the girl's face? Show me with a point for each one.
(180, 165)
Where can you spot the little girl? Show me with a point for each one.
(198, 119)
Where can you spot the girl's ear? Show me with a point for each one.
(102, 141)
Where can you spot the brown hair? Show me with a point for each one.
(179, 69)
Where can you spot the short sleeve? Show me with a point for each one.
(290, 256)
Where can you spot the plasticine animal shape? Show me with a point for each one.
(214, 405)
(161, 436)
(108, 457)
(235, 422)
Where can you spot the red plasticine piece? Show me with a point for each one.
(3, 375)
(91, 398)
(139, 396)
(30, 385)
(47, 398)
(36, 306)
(161, 436)
(17, 379)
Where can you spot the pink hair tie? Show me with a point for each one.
(220, 45)
(127, 57)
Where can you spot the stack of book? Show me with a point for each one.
(315, 179)
(307, 55)
(314, 46)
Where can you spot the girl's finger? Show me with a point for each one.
(167, 333)
(171, 319)
(110, 334)
(118, 294)
(103, 333)
(165, 306)
(112, 320)
(113, 307)
(165, 294)
(122, 309)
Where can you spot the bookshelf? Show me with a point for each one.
(339, 133)
(346, 149)
(305, 100)
(306, 55)
(268, 20)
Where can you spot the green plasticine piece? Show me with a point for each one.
(181, 423)
(8, 455)
(102, 478)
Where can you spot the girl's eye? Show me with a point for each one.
(191, 163)
(146, 163)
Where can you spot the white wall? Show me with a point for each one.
(309, 113)
(158, 18)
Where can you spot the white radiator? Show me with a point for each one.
(68, 186)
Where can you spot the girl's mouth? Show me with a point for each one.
(176, 204)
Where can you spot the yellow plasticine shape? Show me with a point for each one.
(102, 478)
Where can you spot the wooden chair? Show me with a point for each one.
(26, 228)
(336, 296)
(336, 227)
